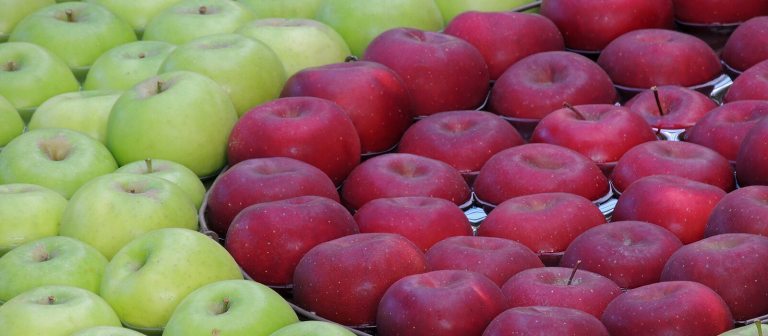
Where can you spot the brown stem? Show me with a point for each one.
(655, 91)
(51, 300)
(351, 58)
(202, 10)
(70, 15)
(573, 108)
(148, 162)
(573, 272)
(226, 306)
(160, 86)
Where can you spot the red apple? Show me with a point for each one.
(373, 96)
(435, 304)
(752, 84)
(441, 72)
(678, 107)
(545, 321)
(724, 128)
(747, 45)
(744, 210)
(718, 11)
(497, 258)
(752, 159)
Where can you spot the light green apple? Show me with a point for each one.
(111, 210)
(15, 10)
(752, 329)
(314, 328)
(78, 32)
(50, 261)
(283, 8)
(359, 21)
(11, 124)
(30, 74)
(136, 12)
(231, 307)
(122, 67)
(84, 111)
(107, 331)
(28, 212)
(299, 43)
(248, 70)
(451, 8)
(149, 277)
(56, 158)
(55, 311)
(171, 171)
(180, 116)
(190, 19)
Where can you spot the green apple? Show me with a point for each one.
(360, 21)
(136, 12)
(56, 158)
(15, 10)
(78, 32)
(248, 70)
(11, 124)
(28, 212)
(752, 329)
(122, 67)
(149, 277)
(30, 74)
(50, 261)
(231, 307)
(111, 210)
(314, 328)
(190, 19)
(299, 43)
(84, 111)
(107, 331)
(55, 311)
(451, 8)
(171, 171)
(283, 8)
(179, 116)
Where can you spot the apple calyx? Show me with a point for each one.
(51, 300)
(10, 66)
(350, 59)
(573, 108)
(142, 55)
(655, 91)
(148, 162)
(573, 272)
(202, 10)
(70, 15)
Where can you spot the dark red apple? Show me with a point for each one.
(752, 159)
(747, 45)
(752, 84)
(545, 321)
(677, 107)
(744, 210)
(724, 128)
(718, 11)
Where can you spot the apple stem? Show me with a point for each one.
(351, 58)
(148, 162)
(573, 108)
(11, 66)
(51, 300)
(202, 10)
(70, 15)
(142, 55)
(160, 86)
(573, 272)
(655, 91)
(759, 326)
(226, 306)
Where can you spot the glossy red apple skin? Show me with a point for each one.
(539, 84)
(724, 128)
(677, 204)
(744, 210)
(268, 239)
(373, 96)
(441, 72)
(545, 321)
(497, 258)
(538, 168)
(453, 137)
(751, 84)
(423, 220)
(589, 25)
(631, 253)
(402, 174)
(682, 107)
(548, 286)
(545, 222)
(718, 11)
(678, 158)
(438, 303)
(747, 45)
(732, 264)
(344, 279)
(298, 127)
(668, 308)
(752, 159)
(262, 180)
(504, 38)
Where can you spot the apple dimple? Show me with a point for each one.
(407, 169)
(542, 162)
(56, 148)
(41, 254)
(68, 15)
(457, 126)
(221, 307)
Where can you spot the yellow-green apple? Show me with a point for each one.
(47, 261)
(752, 329)
(299, 128)
(84, 111)
(299, 43)
(359, 23)
(317, 328)
(149, 277)
(107, 331)
(66, 309)
(369, 262)
(28, 212)
(78, 32)
(124, 66)
(718, 12)
(189, 19)
(671, 107)
(744, 210)
(171, 171)
(751, 159)
(450, 9)
(231, 307)
(180, 116)
(544, 321)
(268, 239)
(15, 11)
(110, 211)
(283, 8)
(747, 45)
(11, 124)
(456, 76)
(725, 127)
(56, 158)
(248, 71)
(136, 13)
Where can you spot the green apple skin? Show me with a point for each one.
(314, 328)
(11, 124)
(451, 8)
(28, 212)
(50, 261)
(110, 211)
(188, 122)
(136, 12)
(30, 74)
(21, 8)
(79, 42)
(84, 111)
(233, 307)
(56, 158)
(55, 311)
(149, 277)
(190, 19)
(299, 43)
(289, 9)
(747, 330)
(124, 66)
(170, 171)
(107, 331)
(359, 22)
